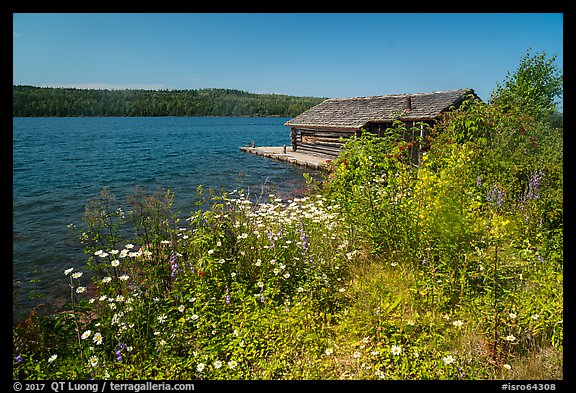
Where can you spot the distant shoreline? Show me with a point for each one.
(31, 101)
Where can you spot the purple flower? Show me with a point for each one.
(173, 264)
(19, 359)
(262, 295)
(534, 185)
(496, 196)
(227, 296)
(479, 182)
(118, 352)
(271, 238)
(303, 237)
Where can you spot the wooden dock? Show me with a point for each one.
(294, 157)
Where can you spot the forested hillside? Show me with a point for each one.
(30, 101)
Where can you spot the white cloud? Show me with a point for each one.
(111, 86)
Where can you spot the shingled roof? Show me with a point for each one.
(354, 113)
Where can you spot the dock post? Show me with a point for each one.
(284, 149)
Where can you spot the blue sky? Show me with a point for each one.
(301, 54)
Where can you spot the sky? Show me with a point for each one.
(302, 54)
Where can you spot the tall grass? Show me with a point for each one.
(449, 270)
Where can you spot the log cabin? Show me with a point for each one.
(319, 130)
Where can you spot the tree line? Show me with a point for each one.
(31, 101)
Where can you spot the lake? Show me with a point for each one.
(60, 163)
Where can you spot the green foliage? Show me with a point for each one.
(29, 101)
(533, 89)
(452, 269)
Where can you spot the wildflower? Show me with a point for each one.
(129, 246)
(448, 359)
(103, 255)
(119, 298)
(114, 252)
(396, 350)
(210, 252)
(52, 358)
(510, 337)
(123, 253)
(512, 315)
(535, 316)
(93, 361)
(124, 277)
(115, 263)
(380, 374)
(98, 253)
(328, 351)
(86, 334)
(232, 364)
(260, 284)
(162, 318)
(80, 289)
(286, 275)
(507, 366)
(200, 367)
(258, 262)
(300, 289)
(181, 308)
(496, 196)
(366, 340)
(303, 238)
(357, 354)
(375, 353)
(97, 338)
(217, 364)
(194, 317)
(106, 280)
(458, 323)
(77, 275)
(533, 185)
(342, 290)
(68, 271)
(19, 359)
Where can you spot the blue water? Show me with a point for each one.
(60, 163)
